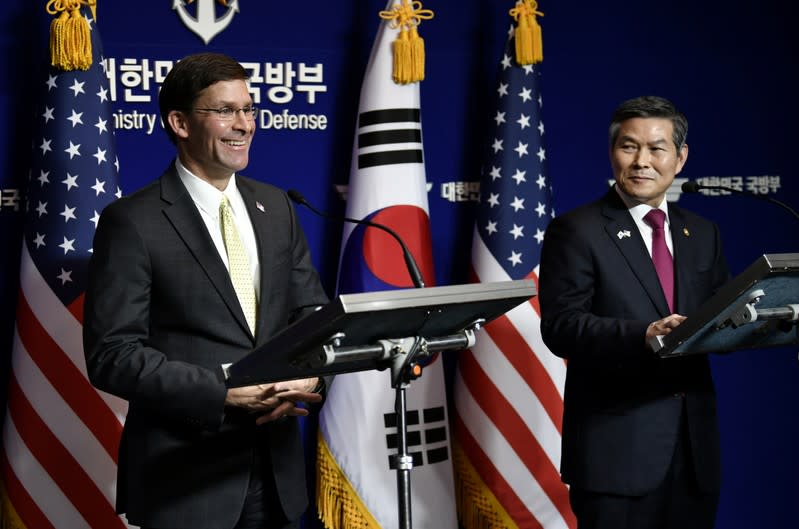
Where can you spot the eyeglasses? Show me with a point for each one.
(229, 113)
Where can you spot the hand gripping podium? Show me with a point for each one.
(757, 309)
(382, 330)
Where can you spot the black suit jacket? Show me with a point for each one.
(623, 405)
(161, 316)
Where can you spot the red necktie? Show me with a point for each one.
(664, 265)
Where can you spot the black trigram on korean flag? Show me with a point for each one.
(389, 136)
(427, 440)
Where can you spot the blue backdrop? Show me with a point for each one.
(731, 67)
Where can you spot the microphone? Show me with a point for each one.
(410, 263)
(692, 186)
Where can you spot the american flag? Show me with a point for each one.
(509, 387)
(60, 435)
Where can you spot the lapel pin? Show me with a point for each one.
(260, 207)
(622, 234)
(686, 232)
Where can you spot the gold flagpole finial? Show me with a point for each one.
(529, 47)
(409, 47)
(70, 40)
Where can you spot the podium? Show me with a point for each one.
(382, 330)
(757, 309)
(358, 332)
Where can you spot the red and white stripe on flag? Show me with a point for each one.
(507, 426)
(60, 435)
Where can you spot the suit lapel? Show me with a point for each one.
(624, 233)
(683, 248)
(183, 214)
(260, 219)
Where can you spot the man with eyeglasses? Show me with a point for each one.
(187, 275)
(640, 438)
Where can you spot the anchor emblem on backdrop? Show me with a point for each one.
(206, 24)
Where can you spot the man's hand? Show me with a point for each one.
(663, 327)
(272, 401)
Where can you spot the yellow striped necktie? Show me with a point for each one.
(239, 264)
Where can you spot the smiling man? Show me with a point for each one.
(188, 274)
(640, 439)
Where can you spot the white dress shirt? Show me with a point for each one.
(638, 211)
(207, 199)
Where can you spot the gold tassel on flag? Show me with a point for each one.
(337, 503)
(408, 49)
(9, 519)
(478, 508)
(529, 46)
(70, 40)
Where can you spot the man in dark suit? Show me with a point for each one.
(640, 439)
(187, 275)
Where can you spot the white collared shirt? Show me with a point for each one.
(207, 199)
(639, 211)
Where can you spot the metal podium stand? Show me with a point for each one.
(757, 309)
(382, 330)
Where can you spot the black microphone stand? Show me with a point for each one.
(410, 263)
(695, 187)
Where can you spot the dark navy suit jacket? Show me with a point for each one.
(161, 316)
(623, 405)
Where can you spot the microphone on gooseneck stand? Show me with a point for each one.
(410, 263)
(693, 186)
